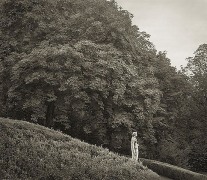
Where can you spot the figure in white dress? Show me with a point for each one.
(134, 146)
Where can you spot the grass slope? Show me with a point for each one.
(29, 151)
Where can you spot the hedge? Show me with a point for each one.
(171, 171)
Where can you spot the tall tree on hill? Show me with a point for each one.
(170, 118)
(80, 65)
(196, 69)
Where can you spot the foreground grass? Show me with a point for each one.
(29, 151)
(173, 172)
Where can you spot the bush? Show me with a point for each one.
(173, 172)
(29, 151)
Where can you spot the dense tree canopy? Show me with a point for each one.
(196, 70)
(80, 66)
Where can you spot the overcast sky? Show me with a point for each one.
(175, 26)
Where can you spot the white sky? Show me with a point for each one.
(175, 26)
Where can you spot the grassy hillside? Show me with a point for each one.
(29, 151)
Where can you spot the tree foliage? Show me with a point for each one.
(196, 69)
(80, 66)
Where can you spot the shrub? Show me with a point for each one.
(173, 172)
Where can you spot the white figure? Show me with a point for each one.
(134, 146)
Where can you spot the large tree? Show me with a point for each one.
(169, 120)
(80, 66)
(196, 70)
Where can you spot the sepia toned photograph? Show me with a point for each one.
(103, 89)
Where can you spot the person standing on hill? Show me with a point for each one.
(134, 146)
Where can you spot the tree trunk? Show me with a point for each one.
(50, 114)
